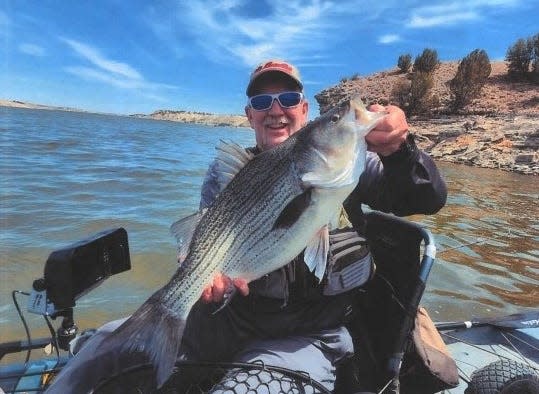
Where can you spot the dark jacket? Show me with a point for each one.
(404, 183)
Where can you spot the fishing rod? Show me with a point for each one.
(514, 321)
(481, 240)
(478, 241)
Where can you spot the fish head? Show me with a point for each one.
(349, 120)
(335, 142)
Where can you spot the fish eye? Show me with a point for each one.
(335, 118)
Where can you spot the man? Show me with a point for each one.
(264, 323)
(289, 318)
(379, 189)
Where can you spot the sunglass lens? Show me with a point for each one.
(289, 99)
(261, 102)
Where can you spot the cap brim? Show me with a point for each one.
(252, 84)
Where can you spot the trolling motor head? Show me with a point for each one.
(75, 270)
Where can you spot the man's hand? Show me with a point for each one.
(390, 132)
(215, 291)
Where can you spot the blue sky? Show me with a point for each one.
(129, 57)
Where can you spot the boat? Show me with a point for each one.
(483, 355)
(500, 353)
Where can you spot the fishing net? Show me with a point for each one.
(214, 378)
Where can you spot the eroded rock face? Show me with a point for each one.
(500, 129)
(506, 142)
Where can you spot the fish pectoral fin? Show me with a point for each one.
(183, 230)
(223, 177)
(316, 252)
(231, 158)
(293, 210)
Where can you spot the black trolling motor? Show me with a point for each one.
(72, 272)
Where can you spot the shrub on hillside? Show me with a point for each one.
(523, 59)
(471, 76)
(414, 96)
(404, 63)
(400, 94)
(427, 61)
(535, 58)
(519, 57)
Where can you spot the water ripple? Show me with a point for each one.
(65, 176)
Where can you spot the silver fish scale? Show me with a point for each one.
(236, 227)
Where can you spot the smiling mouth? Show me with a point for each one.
(277, 126)
(276, 123)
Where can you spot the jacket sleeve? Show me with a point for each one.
(406, 182)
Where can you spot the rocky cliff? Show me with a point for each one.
(500, 129)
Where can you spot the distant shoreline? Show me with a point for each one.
(23, 104)
(203, 118)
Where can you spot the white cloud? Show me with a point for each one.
(453, 13)
(253, 32)
(418, 21)
(388, 38)
(93, 56)
(287, 29)
(31, 49)
(110, 72)
(99, 75)
(296, 30)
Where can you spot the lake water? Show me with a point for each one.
(65, 176)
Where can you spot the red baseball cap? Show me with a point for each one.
(274, 65)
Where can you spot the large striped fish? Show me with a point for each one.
(275, 205)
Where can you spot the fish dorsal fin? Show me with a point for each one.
(231, 158)
(293, 210)
(183, 230)
(316, 252)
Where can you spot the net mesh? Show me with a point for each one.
(214, 378)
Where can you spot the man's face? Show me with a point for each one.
(276, 124)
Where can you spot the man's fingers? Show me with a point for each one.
(390, 131)
(206, 296)
(220, 284)
(215, 291)
(242, 286)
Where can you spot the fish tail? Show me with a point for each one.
(155, 331)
